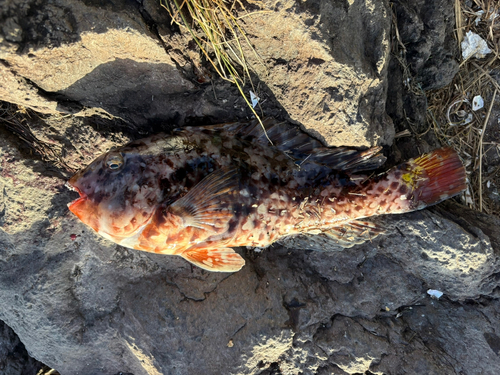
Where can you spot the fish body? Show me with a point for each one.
(201, 191)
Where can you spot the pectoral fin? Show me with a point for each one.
(215, 260)
(207, 205)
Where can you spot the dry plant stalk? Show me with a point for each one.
(450, 108)
(16, 119)
(221, 40)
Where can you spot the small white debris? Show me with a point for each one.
(464, 117)
(474, 46)
(488, 184)
(436, 294)
(255, 99)
(477, 103)
(479, 14)
(468, 196)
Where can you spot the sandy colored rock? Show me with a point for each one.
(112, 58)
(327, 66)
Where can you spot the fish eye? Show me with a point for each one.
(114, 161)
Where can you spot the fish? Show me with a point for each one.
(201, 191)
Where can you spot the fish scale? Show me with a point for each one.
(201, 191)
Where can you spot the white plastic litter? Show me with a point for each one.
(434, 293)
(477, 103)
(255, 99)
(474, 46)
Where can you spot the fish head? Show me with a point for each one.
(119, 192)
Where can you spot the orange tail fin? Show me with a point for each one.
(435, 176)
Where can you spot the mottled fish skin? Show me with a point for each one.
(203, 190)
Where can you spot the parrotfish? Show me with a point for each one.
(201, 191)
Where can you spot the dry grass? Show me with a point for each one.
(45, 370)
(218, 33)
(16, 119)
(450, 108)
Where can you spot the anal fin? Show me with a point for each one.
(335, 239)
(354, 233)
(216, 260)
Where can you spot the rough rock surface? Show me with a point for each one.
(426, 28)
(83, 305)
(115, 57)
(14, 359)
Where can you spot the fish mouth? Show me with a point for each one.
(83, 197)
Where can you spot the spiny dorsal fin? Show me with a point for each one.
(301, 146)
(206, 205)
(348, 159)
(215, 260)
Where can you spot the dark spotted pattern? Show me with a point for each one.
(225, 186)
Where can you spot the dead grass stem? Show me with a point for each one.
(218, 33)
(16, 119)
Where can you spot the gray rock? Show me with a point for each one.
(426, 28)
(295, 310)
(125, 60)
(14, 359)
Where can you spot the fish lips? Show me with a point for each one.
(78, 205)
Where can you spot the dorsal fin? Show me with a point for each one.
(302, 147)
(283, 136)
(348, 159)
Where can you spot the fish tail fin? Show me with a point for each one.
(429, 179)
(445, 176)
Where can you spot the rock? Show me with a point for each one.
(14, 359)
(425, 59)
(123, 59)
(426, 29)
(286, 309)
(83, 305)
(328, 66)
